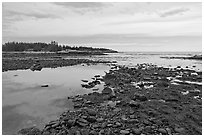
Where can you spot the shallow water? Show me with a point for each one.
(133, 58)
(25, 103)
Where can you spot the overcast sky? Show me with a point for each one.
(121, 26)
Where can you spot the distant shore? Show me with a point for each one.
(37, 61)
(195, 57)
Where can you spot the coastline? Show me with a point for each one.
(143, 100)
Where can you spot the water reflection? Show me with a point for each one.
(26, 103)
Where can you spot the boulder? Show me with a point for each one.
(107, 90)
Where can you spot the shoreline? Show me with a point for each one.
(37, 61)
(146, 100)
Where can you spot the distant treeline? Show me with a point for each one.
(22, 46)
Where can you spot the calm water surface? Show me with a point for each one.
(26, 103)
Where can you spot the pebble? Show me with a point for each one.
(137, 131)
(91, 112)
(91, 119)
(179, 130)
(100, 120)
(124, 132)
(163, 131)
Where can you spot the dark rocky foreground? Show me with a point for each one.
(37, 61)
(146, 100)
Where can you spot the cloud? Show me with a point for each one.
(81, 4)
(37, 15)
(174, 12)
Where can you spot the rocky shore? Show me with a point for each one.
(195, 57)
(37, 61)
(144, 100)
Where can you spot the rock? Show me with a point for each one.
(124, 132)
(140, 97)
(91, 119)
(133, 121)
(124, 119)
(163, 131)
(132, 116)
(97, 76)
(168, 131)
(146, 78)
(109, 125)
(179, 130)
(82, 122)
(44, 86)
(111, 104)
(56, 124)
(132, 103)
(107, 90)
(70, 123)
(137, 131)
(91, 112)
(89, 102)
(85, 81)
(77, 105)
(117, 124)
(37, 67)
(100, 120)
(30, 131)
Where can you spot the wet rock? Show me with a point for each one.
(112, 104)
(77, 105)
(168, 131)
(133, 103)
(70, 123)
(97, 76)
(91, 119)
(146, 78)
(163, 131)
(107, 90)
(133, 121)
(89, 102)
(44, 86)
(85, 81)
(117, 124)
(100, 120)
(36, 67)
(137, 131)
(91, 112)
(56, 124)
(82, 122)
(140, 97)
(124, 118)
(179, 130)
(30, 131)
(124, 132)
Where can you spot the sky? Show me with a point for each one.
(131, 26)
